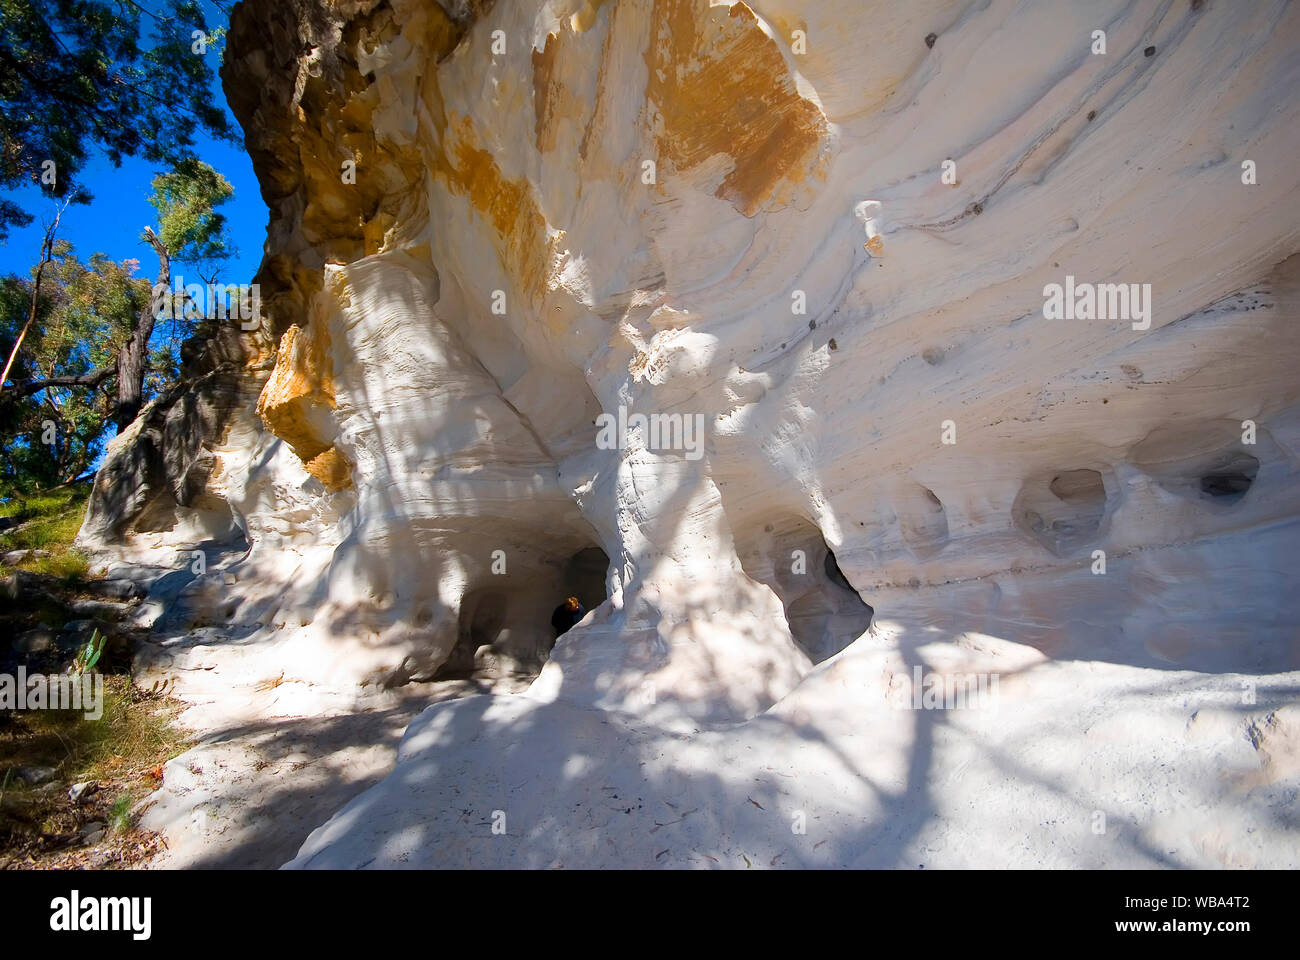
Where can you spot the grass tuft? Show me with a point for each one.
(47, 522)
(123, 750)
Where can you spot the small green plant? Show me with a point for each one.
(119, 815)
(87, 658)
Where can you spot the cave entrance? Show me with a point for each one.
(504, 625)
(823, 609)
(583, 576)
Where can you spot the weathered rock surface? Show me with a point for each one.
(152, 490)
(497, 227)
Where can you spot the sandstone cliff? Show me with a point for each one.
(500, 232)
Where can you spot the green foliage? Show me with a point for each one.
(119, 814)
(195, 233)
(84, 314)
(132, 732)
(119, 75)
(87, 658)
(186, 199)
(123, 751)
(70, 566)
(44, 507)
(126, 78)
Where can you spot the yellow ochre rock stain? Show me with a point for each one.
(303, 378)
(525, 245)
(719, 85)
(332, 469)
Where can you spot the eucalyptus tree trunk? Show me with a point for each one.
(135, 352)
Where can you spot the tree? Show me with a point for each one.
(83, 313)
(134, 353)
(129, 77)
(189, 224)
(190, 230)
(194, 232)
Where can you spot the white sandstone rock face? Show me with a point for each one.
(656, 281)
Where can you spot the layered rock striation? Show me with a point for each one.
(568, 296)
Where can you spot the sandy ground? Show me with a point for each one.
(1073, 765)
(1066, 761)
(249, 793)
(273, 758)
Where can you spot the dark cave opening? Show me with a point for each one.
(824, 611)
(504, 626)
(583, 576)
(1228, 483)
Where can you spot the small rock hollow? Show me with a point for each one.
(1062, 510)
(824, 611)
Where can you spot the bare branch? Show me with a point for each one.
(25, 388)
(47, 254)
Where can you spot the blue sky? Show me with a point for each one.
(113, 222)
